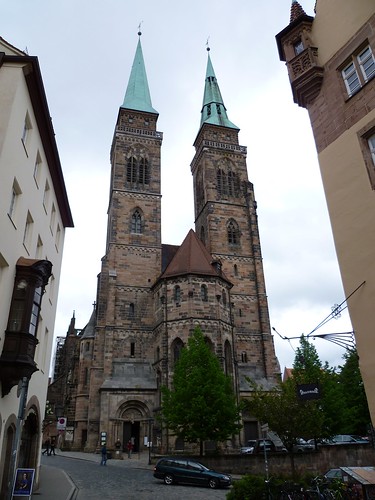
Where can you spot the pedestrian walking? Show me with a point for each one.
(130, 448)
(52, 447)
(104, 455)
(47, 446)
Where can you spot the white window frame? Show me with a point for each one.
(368, 58)
(348, 72)
(359, 70)
(16, 191)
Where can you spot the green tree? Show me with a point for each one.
(201, 405)
(355, 413)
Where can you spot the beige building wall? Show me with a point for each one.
(342, 124)
(32, 225)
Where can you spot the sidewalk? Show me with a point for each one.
(56, 482)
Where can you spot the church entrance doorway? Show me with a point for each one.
(131, 431)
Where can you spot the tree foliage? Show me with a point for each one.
(201, 405)
(342, 407)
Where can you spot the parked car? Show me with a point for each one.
(302, 446)
(333, 474)
(249, 448)
(189, 471)
(348, 439)
(260, 444)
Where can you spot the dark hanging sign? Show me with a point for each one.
(305, 392)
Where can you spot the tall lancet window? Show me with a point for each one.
(131, 170)
(136, 222)
(144, 173)
(233, 233)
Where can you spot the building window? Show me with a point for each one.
(87, 346)
(28, 231)
(243, 357)
(46, 196)
(176, 349)
(136, 222)
(131, 171)
(131, 310)
(132, 349)
(204, 294)
(16, 191)
(235, 269)
(371, 143)
(298, 47)
(58, 237)
(233, 233)
(177, 294)
(26, 130)
(367, 63)
(52, 219)
(144, 173)
(37, 168)
(224, 297)
(39, 248)
(359, 70)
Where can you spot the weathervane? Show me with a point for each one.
(139, 28)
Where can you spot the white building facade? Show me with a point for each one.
(34, 213)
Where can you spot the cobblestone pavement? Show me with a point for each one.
(123, 479)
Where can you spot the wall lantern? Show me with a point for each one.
(17, 357)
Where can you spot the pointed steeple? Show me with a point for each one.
(89, 330)
(296, 11)
(137, 94)
(213, 109)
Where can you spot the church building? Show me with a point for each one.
(152, 295)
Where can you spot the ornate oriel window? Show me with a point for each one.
(17, 357)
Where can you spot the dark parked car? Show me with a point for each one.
(348, 439)
(189, 471)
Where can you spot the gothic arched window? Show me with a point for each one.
(143, 173)
(177, 346)
(136, 222)
(131, 310)
(131, 170)
(233, 233)
(177, 293)
(204, 294)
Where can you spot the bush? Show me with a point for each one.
(248, 488)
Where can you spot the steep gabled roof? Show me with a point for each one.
(296, 11)
(192, 258)
(213, 110)
(137, 94)
(89, 330)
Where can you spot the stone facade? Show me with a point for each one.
(151, 296)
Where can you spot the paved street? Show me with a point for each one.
(124, 480)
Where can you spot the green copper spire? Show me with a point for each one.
(137, 94)
(213, 109)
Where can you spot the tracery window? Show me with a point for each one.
(136, 226)
(233, 233)
(131, 171)
(144, 174)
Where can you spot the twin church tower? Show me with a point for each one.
(152, 295)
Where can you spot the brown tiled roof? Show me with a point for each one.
(167, 254)
(192, 257)
(296, 11)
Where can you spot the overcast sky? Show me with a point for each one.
(86, 49)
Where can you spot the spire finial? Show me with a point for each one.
(207, 46)
(139, 28)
